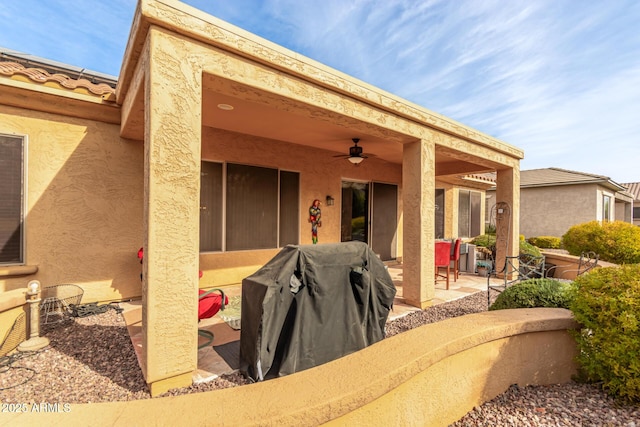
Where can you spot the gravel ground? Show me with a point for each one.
(91, 359)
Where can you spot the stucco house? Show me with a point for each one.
(633, 188)
(208, 152)
(554, 199)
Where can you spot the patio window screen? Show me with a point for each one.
(289, 208)
(247, 207)
(468, 213)
(12, 197)
(439, 213)
(211, 207)
(252, 207)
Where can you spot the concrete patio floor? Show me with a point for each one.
(221, 357)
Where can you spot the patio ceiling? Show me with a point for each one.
(271, 116)
(268, 115)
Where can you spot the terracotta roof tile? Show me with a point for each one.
(39, 75)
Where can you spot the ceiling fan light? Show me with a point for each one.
(355, 160)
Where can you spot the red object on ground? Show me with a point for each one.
(210, 304)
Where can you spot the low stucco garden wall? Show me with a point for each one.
(431, 375)
(566, 266)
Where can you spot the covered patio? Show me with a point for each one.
(221, 356)
(194, 89)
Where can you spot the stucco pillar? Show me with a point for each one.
(418, 206)
(508, 190)
(173, 105)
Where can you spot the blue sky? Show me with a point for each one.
(557, 78)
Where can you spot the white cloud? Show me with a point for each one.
(560, 81)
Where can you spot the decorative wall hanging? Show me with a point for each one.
(314, 219)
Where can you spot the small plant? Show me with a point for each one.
(534, 293)
(483, 268)
(606, 302)
(483, 264)
(546, 242)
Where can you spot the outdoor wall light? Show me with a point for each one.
(330, 201)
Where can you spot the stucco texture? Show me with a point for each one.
(429, 376)
(84, 205)
(550, 211)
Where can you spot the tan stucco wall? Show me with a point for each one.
(84, 207)
(550, 211)
(428, 376)
(320, 175)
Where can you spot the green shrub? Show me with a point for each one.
(606, 302)
(488, 241)
(617, 241)
(527, 250)
(545, 242)
(534, 293)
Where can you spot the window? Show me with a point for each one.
(468, 213)
(606, 208)
(636, 212)
(261, 207)
(12, 196)
(439, 213)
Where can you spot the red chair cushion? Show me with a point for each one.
(210, 304)
(443, 254)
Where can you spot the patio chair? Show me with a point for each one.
(516, 269)
(455, 257)
(443, 260)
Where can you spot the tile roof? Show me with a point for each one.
(634, 189)
(39, 75)
(551, 176)
(547, 177)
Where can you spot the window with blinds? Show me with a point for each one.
(469, 213)
(12, 197)
(261, 207)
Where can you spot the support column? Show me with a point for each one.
(508, 190)
(418, 206)
(172, 141)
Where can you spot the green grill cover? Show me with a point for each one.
(312, 304)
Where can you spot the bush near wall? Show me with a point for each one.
(489, 241)
(606, 302)
(617, 242)
(546, 242)
(534, 293)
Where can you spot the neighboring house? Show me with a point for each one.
(554, 199)
(633, 188)
(208, 153)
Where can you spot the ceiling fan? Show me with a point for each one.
(355, 155)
